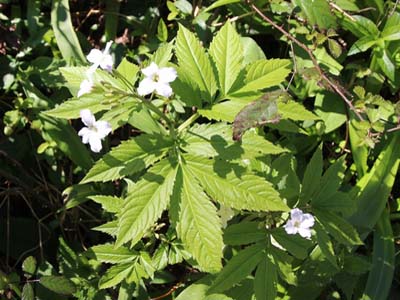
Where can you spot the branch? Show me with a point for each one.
(334, 86)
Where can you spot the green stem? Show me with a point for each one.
(188, 122)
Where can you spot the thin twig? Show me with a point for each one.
(335, 87)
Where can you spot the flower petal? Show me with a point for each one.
(103, 128)
(85, 87)
(308, 221)
(167, 75)
(95, 143)
(151, 70)
(85, 134)
(305, 232)
(290, 228)
(107, 63)
(296, 214)
(95, 56)
(87, 117)
(163, 89)
(146, 86)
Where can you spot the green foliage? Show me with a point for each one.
(264, 168)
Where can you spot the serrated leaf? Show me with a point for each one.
(252, 52)
(295, 111)
(115, 275)
(110, 228)
(163, 55)
(244, 233)
(58, 284)
(145, 202)
(338, 227)
(334, 48)
(312, 177)
(128, 158)
(294, 244)
(71, 109)
(128, 71)
(331, 109)
(193, 59)
(332, 178)
(199, 227)
(210, 140)
(121, 112)
(255, 114)
(107, 253)
(110, 204)
(263, 74)
(245, 192)
(227, 52)
(238, 268)
(224, 111)
(266, 279)
(326, 245)
(29, 265)
(338, 202)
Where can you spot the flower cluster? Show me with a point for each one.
(156, 80)
(300, 223)
(98, 59)
(95, 130)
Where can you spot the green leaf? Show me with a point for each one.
(129, 157)
(312, 177)
(359, 150)
(317, 13)
(27, 292)
(198, 226)
(111, 16)
(245, 192)
(251, 51)
(337, 201)
(255, 114)
(67, 41)
(145, 202)
(383, 261)
(110, 204)
(58, 284)
(375, 187)
(210, 140)
(387, 64)
(224, 111)
(110, 228)
(244, 233)
(142, 120)
(362, 45)
(121, 113)
(331, 109)
(193, 59)
(67, 140)
(128, 71)
(162, 31)
(219, 3)
(163, 54)
(29, 265)
(326, 245)
(115, 275)
(361, 26)
(295, 111)
(227, 52)
(338, 227)
(71, 109)
(238, 268)
(263, 74)
(107, 253)
(294, 244)
(332, 178)
(266, 279)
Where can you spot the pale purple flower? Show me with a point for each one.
(157, 79)
(300, 223)
(100, 59)
(85, 87)
(95, 130)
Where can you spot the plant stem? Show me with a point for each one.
(188, 122)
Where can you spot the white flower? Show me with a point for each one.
(157, 79)
(102, 59)
(299, 223)
(95, 130)
(85, 87)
